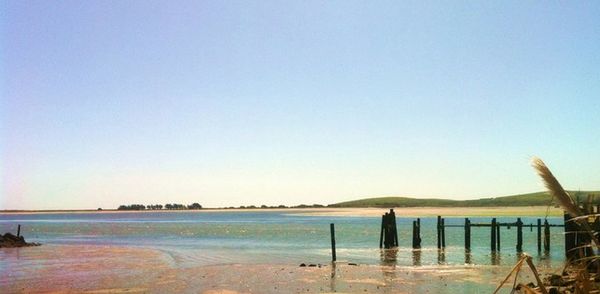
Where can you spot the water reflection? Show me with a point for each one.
(495, 258)
(441, 256)
(416, 257)
(389, 260)
(389, 257)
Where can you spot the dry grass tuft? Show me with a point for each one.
(556, 190)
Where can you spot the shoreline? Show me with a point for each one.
(335, 211)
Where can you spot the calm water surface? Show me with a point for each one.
(222, 237)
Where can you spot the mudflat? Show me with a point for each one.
(122, 269)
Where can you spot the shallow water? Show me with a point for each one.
(222, 237)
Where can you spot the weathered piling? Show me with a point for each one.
(498, 237)
(439, 232)
(18, 230)
(332, 229)
(389, 231)
(416, 241)
(419, 232)
(382, 229)
(467, 234)
(493, 235)
(539, 235)
(546, 236)
(394, 228)
(443, 233)
(519, 235)
(570, 237)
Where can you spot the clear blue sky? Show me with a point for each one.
(257, 102)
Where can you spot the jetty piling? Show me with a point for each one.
(498, 237)
(539, 235)
(443, 234)
(493, 235)
(416, 238)
(389, 232)
(18, 230)
(571, 229)
(519, 235)
(332, 229)
(546, 236)
(439, 231)
(382, 229)
(467, 234)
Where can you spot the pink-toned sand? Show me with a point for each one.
(113, 269)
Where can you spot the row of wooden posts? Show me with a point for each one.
(389, 234)
(574, 236)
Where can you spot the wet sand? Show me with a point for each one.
(115, 269)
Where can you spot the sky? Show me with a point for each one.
(230, 103)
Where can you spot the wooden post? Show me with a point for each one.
(18, 230)
(519, 235)
(394, 229)
(416, 242)
(570, 243)
(439, 232)
(381, 234)
(419, 232)
(443, 234)
(539, 235)
(467, 234)
(498, 236)
(493, 235)
(332, 228)
(546, 236)
(387, 231)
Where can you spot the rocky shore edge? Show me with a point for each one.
(9, 240)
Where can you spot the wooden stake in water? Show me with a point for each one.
(493, 235)
(546, 236)
(519, 235)
(467, 234)
(19, 231)
(498, 236)
(382, 229)
(539, 235)
(332, 228)
(443, 234)
(439, 231)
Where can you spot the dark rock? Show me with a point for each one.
(9, 240)
(352, 263)
(312, 265)
(302, 265)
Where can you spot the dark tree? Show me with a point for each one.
(195, 206)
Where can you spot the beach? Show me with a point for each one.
(115, 269)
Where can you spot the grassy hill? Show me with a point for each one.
(531, 199)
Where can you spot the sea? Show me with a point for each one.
(236, 237)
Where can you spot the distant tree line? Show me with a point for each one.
(175, 206)
(169, 206)
(276, 206)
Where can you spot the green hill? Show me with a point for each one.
(531, 199)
